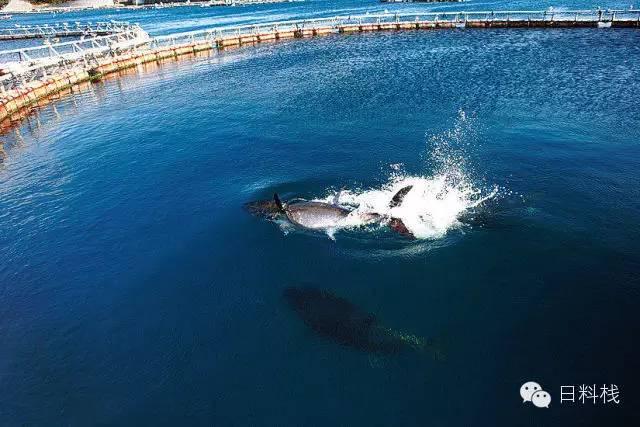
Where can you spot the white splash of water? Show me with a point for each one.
(436, 202)
(429, 210)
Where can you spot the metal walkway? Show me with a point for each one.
(23, 65)
(376, 22)
(60, 30)
(18, 66)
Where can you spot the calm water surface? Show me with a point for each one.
(135, 290)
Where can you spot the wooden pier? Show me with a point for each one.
(40, 72)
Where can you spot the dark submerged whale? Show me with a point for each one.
(321, 215)
(336, 318)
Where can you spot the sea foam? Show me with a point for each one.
(437, 200)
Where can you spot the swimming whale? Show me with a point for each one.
(315, 215)
(312, 215)
(305, 214)
(341, 321)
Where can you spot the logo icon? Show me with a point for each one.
(532, 392)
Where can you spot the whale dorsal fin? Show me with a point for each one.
(278, 202)
(399, 196)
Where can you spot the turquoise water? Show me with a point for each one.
(134, 289)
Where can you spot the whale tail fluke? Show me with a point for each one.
(427, 346)
(396, 224)
(397, 199)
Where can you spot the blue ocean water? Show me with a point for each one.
(134, 289)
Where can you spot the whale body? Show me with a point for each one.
(314, 215)
(341, 321)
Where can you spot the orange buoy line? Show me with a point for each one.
(26, 94)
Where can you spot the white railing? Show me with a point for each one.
(25, 64)
(64, 29)
(19, 65)
(334, 23)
